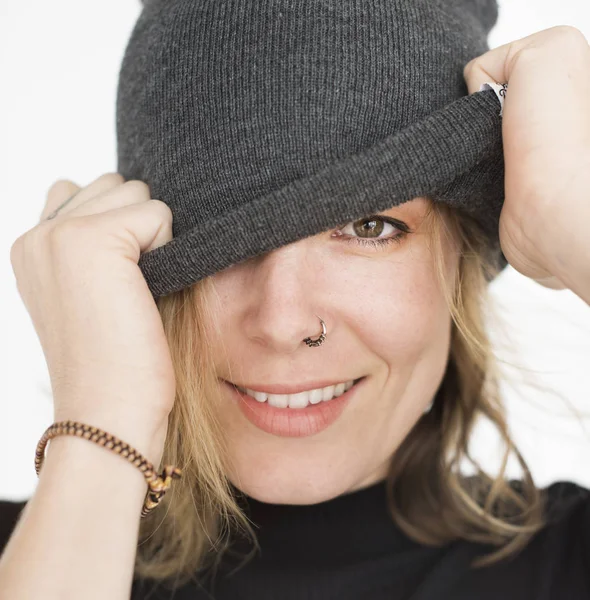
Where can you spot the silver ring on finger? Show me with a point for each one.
(56, 211)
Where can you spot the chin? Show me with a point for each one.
(286, 489)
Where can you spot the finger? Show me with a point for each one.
(148, 225)
(58, 193)
(490, 67)
(130, 192)
(496, 65)
(63, 190)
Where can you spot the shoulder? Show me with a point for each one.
(567, 511)
(10, 512)
(564, 502)
(555, 562)
(561, 549)
(565, 495)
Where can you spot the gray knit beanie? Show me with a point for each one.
(262, 122)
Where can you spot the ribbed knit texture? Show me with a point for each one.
(261, 122)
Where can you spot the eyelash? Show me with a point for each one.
(378, 242)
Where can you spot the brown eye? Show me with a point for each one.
(368, 231)
(368, 227)
(372, 227)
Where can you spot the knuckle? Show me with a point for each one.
(468, 67)
(163, 208)
(112, 177)
(58, 184)
(569, 33)
(24, 254)
(137, 187)
(23, 245)
(16, 250)
(566, 30)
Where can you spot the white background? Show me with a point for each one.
(59, 62)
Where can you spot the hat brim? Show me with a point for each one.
(455, 155)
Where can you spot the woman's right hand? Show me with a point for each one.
(98, 324)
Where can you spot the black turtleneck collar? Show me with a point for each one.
(349, 528)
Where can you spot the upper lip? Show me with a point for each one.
(280, 388)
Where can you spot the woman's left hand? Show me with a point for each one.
(545, 220)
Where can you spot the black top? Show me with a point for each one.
(348, 548)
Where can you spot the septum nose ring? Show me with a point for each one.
(319, 341)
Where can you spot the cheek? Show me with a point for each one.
(398, 311)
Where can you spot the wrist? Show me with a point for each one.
(575, 276)
(566, 252)
(85, 473)
(570, 264)
(147, 438)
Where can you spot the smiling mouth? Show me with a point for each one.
(300, 399)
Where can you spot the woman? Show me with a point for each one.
(358, 494)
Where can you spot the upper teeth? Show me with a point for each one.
(301, 399)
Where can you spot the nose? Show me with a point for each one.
(285, 298)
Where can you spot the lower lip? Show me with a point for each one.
(293, 422)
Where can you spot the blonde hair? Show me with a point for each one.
(429, 498)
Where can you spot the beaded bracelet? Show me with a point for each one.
(158, 485)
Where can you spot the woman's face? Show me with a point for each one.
(386, 321)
